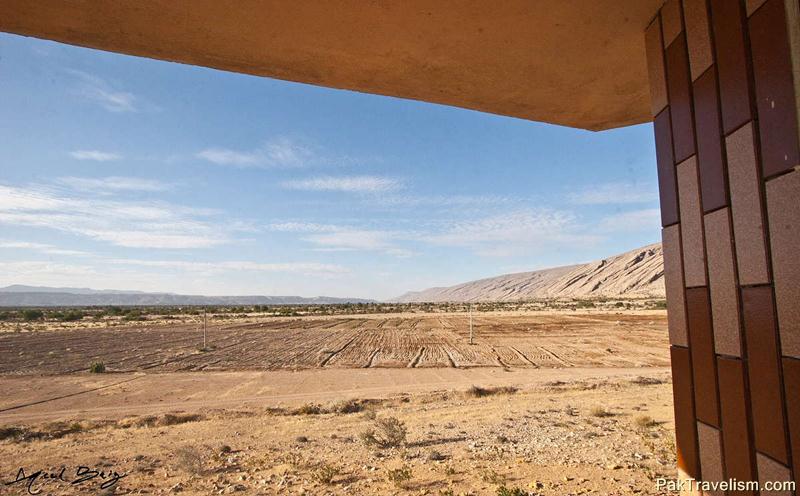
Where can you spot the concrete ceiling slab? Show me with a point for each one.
(578, 63)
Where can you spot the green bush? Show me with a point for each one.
(30, 314)
(72, 316)
(97, 368)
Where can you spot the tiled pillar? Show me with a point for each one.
(725, 92)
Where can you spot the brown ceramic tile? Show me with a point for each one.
(680, 99)
(709, 142)
(710, 442)
(772, 471)
(736, 441)
(748, 227)
(722, 283)
(753, 5)
(704, 367)
(727, 21)
(655, 67)
(766, 391)
(774, 87)
(667, 188)
(685, 427)
(697, 36)
(671, 20)
(673, 281)
(791, 379)
(694, 262)
(783, 206)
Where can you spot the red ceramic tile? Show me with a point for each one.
(736, 442)
(727, 21)
(791, 379)
(766, 395)
(774, 87)
(655, 67)
(673, 283)
(770, 471)
(709, 142)
(698, 38)
(722, 283)
(671, 20)
(680, 99)
(685, 427)
(667, 188)
(783, 208)
(704, 367)
(748, 222)
(710, 442)
(694, 256)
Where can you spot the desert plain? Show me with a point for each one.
(564, 401)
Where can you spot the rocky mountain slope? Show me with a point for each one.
(637, 273)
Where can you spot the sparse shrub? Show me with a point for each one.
(97, 368)
(370, 414)
(11, 433)
(446, 492)
(189, 459)
(599, 411)
(491, 477)
(6, 316)
(399, 476)
(480, 392)
(309, 409)
(644, 422)
(646, 381)
(30, 314)
(514, 491)
(387, 432)
(348, 406)
(134, 315)
(325, 473)
(177, 418)
(72, 316)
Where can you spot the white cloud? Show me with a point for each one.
(121, 223)
(350, 184)
(277, 152)
(104, 94)
(96, 155)
(302, 227)
(636, 220)
(306, 268)
(41, 248)
(106, 185)
(333, 238)
(614, 193)
(514, 233)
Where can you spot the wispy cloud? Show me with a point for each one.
(41, 248)
(122, 223)
(636, 220)
(100, 91)
(107, 185)
(513, 233)
(306, 268)
(333, 238)
(96, 155)
(349, 184)
(277, 152)
(614, 193)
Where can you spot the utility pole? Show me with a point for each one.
(471, 333)
(204, 328)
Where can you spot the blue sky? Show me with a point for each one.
(128, 173)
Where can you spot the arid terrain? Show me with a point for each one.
(543, 402)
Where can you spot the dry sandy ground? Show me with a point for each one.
(561, 429)
(537, 340)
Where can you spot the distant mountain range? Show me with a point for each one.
(637, 273)
(38, 296)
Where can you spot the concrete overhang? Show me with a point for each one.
(578, 63)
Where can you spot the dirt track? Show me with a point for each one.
(527, 341)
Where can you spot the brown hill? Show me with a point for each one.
(637, 273)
